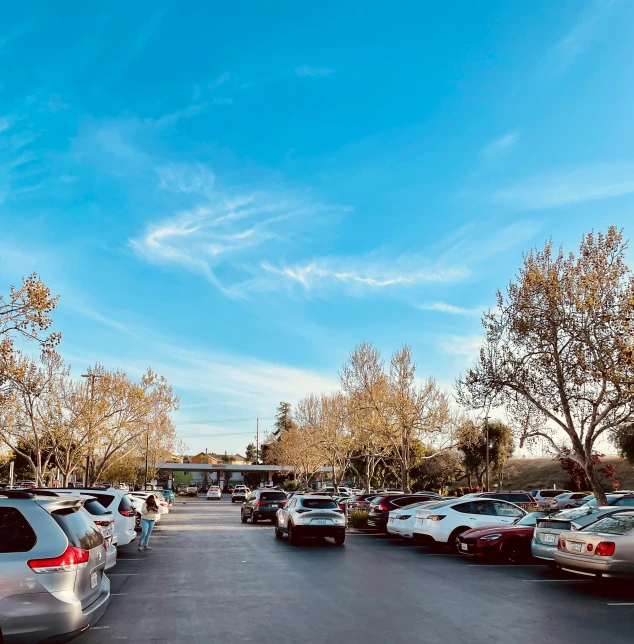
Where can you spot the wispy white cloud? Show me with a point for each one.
(5, 123)
(561, 188)
(443, 307)
(501, 144)
(307, 70)
(359, 274)
(466, 346)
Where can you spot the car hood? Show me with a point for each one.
(494, 529)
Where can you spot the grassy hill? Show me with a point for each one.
(531, 473)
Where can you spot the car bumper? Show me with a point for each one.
(214, 496)
(543, 551)
(125, 537)
(266, 516)
(377, 523)
(593, 566)
(319, 530)
(49, 617)
(111, 556)
(425, 535)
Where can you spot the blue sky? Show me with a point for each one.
(239, 193)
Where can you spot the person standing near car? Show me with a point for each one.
(149, 514)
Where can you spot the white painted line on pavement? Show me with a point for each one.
(620, 603)
(98, 628)
(126, 559)
(122, 574)
(117, 594)
(568, 581)
(500, 566)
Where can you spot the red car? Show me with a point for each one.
(510, 543)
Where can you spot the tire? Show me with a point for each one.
(514, 552)
(452, 542)
(254, 519)
(278, 532)
(242, 517)
(340, 539)
(293, 539)
(568, 507)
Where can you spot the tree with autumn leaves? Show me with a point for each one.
(558, 351)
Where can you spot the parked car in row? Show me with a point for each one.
(568, 500)
(401, 520)
(361, 501)
(442, 523)
(262, 505)
(214, 492)
(602, 549)
(308, 516)
(544, 497)
(52, 560)
(621, 500)
(381, 506)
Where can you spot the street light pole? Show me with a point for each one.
(486, 426)
(92, 377)
(147, 450)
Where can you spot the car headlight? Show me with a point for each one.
(491, 537)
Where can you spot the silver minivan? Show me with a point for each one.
(52, 561)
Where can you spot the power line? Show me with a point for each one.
(212, 435)
(224, 420)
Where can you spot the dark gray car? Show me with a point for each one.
(52, 561)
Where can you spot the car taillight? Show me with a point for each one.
(436, 517)
(127, 513)
(381, 507)
(72, 559)
(605, 549)
(103, 524)
(261, 503)
(561, 543)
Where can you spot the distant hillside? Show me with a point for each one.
(531, 473)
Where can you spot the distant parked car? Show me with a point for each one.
(442, 523)
(543, 497)
(27, 484)
(214, 492)
(510, 543)
(262, 505)
(192, 490)
(568, 500)
(361, 501)
(311, 516)
(382, 505)
(523, 499)
(549, 527)
(182, 489)
(239, 494)
(52, 560)
(604, 549)
(618, 500)
(401, 521)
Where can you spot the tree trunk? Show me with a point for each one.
(405, 475)
(599, 492)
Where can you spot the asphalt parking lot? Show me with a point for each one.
(211, 578)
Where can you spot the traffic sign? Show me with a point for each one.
(616, 484)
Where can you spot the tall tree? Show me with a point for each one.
(559, 347)
(250, 453)
(283, 419)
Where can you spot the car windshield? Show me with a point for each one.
(412, 506)
(319, 504)
(615, 524)
(530, 519)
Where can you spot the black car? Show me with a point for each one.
(262, 505)
(382, 504)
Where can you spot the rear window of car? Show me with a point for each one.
(78, 528)
(549, 494)
(615, 524)
(627, 501)
(95, 508)
(273, 496)
(319, 504)
(16, 533)
(104, 499)
(124, 504)
(553, 524)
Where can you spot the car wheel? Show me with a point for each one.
(514, 552)
(293, 539)
(278, 532)
(254, 519)
(568, 507)
(453, 542)
(242, 517)
(340, 539)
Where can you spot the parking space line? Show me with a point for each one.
(117, 594)
(123, 574)
(620, 603)
(568, 581)
(98, 628)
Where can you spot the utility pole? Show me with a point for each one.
(257, 441)
(486, 426)
(92, 377)
(147, 452)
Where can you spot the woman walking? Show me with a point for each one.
(149, 514)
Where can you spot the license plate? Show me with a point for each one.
(273, 505)
(94, 579)
(319, 521)
(575, 547)
(464, 546)
(549, 538)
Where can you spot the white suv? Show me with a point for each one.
(442, 523)
(544, 497)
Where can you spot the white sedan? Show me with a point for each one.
(214, 492)
(442, 523)
(401, 521)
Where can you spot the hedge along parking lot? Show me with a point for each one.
(207, 566)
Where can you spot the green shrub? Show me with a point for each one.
(358, 518)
